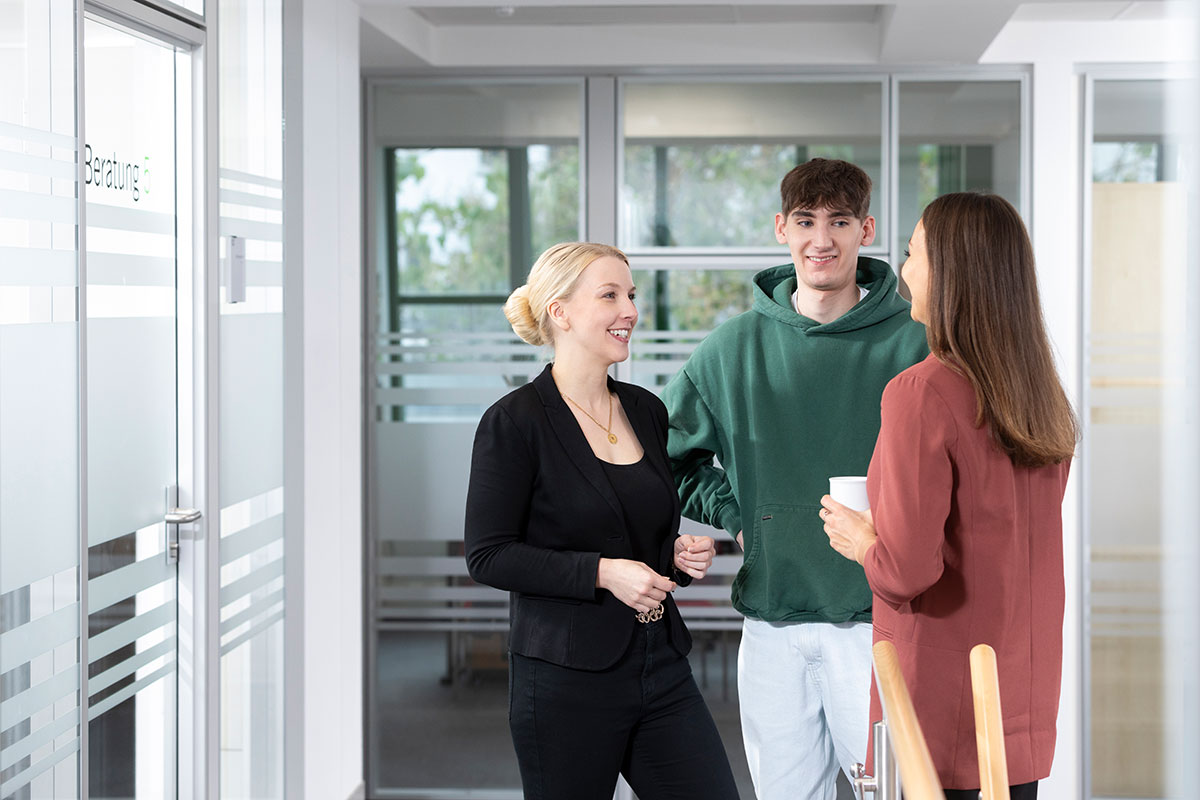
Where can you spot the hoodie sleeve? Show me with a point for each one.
(913, 478)
(693, 440)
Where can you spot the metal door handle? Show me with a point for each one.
(178, 516)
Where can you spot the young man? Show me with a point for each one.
(785, 396)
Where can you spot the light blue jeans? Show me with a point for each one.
(805, 691)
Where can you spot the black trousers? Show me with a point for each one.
(1022, 791)
(575, 730)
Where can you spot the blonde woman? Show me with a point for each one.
(572, 508)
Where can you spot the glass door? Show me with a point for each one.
(136, 155)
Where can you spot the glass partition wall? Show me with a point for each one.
(476, 181)
(41, 735)
(118, 643)
(469, 180)
(1139, 203)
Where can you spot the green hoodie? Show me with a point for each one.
(783, 403)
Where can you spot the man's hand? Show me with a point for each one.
(633, 583)
(739, 541)
(694, 554)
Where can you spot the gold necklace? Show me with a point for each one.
(612, 437)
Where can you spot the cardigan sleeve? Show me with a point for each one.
(502, 483)
(913, 477)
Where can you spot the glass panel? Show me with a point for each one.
(703, 161)
(131, 192)
(479, 180)
(251, 400)
(39, 404)
(956, 136)
(1137, 164)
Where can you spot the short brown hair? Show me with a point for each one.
(827, 183)
(985, 322)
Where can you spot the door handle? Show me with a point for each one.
(175, 517)
(178, 516)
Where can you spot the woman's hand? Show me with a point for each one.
(694, 554)
(850, 532)
(633, 583)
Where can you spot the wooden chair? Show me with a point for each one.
(989, 726)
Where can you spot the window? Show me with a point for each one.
(703, 161)
(955, 136)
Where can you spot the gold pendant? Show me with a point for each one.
(612, 438)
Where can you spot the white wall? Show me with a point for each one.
(324, 359)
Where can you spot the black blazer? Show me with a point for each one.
(541, 514)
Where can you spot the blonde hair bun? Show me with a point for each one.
(520, 315)
(552, 277)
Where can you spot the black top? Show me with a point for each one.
(646, 501)
(541, 513)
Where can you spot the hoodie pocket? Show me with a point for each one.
(791, 572)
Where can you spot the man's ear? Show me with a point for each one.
(558, 315)
(780, 224)
(868, 232)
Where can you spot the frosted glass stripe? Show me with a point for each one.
(264, 273)
(129, 631)
(21, 266)
(256, 609)
(482, 336)
(246, 177)
(131, 446)
(262, 231)
(243, 586)
(250, 634)
(23, 779)
(37, 135)
(255, 537)
(25, 642)
(131, 665)
(482, 368)
(128, 581)
(37, 739)
(234, 197)
(449, 396)
(37, 165)
(25, 704)
(126, 270)
(37, 206)
(251, 396)
(129, 219)
(128, 692)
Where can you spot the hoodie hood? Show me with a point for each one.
(773, 288)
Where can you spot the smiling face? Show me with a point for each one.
(597, 320)
(915, 274)
(824, 245)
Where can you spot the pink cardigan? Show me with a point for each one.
(969, 551)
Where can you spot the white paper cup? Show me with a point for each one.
(850, 490)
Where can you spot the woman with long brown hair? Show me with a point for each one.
(963, 542)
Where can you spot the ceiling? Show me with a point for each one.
(430, 36)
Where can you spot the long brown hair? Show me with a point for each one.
(985, 321)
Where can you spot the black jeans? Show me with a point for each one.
(574, 730)
(1022, 791)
